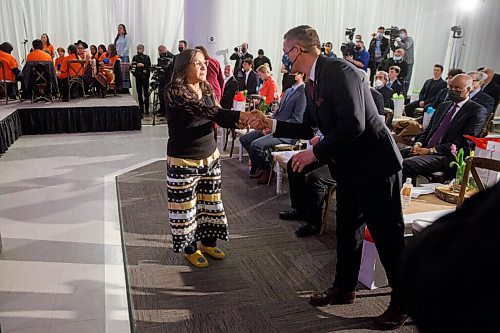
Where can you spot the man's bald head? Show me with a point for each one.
(228, 70)
(461, 80)
(162, 49)
(460, 87)
(490, 72)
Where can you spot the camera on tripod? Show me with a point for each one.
(393, 33)
(133, 68)
(347, 48)
(159, 76)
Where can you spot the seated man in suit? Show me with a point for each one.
(443, 94)
(430, 90)
(308, 190)
(240, 54)
(251, 79)
(452, 120)
(381, 80)
(482, 98)
(394, 83)
(489, 86)
(230, 87)
(257, 143)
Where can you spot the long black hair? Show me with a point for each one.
(124, 29)
(48, 40)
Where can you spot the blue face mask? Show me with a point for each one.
(397, 58)
(287, 62)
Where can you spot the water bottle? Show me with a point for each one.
(406, 193)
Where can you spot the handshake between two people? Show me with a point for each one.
(256, 120)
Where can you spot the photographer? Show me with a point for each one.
(327, 50)
(405, 42)
(140, 69)
(360, 58)
(240, 54)
(165, 66)
(378, 51)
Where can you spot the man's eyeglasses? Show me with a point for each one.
(199, 63)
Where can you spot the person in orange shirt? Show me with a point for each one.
(65, 71)
(269, 89)
(109, 69)
(11, 68)
(37, 54)
(81, 46)
(59, 60)
(47, 47)
(101, 52)
(93, 52)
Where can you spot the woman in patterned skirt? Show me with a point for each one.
(195, 207)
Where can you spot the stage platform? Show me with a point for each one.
(93, 114)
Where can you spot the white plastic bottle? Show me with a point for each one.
(406, 193)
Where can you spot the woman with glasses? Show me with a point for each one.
(196, 212)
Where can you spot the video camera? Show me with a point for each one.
(158, 77)
(347, 48)
(393, 33)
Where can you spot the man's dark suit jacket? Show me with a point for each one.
(238, 66)
(396, 87)
(485, 100)
(230, 88)
(378, 98)
(252, 82)
(403, 66)
(387, 94)
(440, 98)
(469, 120)
(493, 90)
(356, 140)
(428, 94)
(371, 49)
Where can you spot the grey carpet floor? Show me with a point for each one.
(263, 284)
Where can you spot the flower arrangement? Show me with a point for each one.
(460, 164)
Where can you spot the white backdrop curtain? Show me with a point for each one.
(262, 23)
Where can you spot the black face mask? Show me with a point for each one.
(357, 48)
(180, 49)
(163, 55)
(455, 96)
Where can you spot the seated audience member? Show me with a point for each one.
(394, 83)
(361, 57)
(396, 60)
(328, 51)
(443, 94)
(261, 60)
(101, 52)
(308, 190)
(12, 72)
(478, 96)
(81, 46)
(47, 47)
(452, 120)
(381, 80)
(270, 88)
(377, 96)
(430, 90)
(65, 72)
(288, 79)
(257, 143)
(250, 78)
(230, 87)
(109, 69)
(489, 86)
(240, 54)
(37, 54)
(378, 51)
(59, 60)
(93, 52)
(443, 267)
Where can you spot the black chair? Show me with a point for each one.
(42, 87)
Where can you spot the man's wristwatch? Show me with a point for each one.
(433, 151)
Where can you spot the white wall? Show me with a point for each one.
(262, 23)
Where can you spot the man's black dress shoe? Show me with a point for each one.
(292, 214)
(306, 231)
(391, 319)
(332, 296)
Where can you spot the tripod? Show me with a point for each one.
(156, 101)
(25, 52)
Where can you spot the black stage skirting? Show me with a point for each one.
(80, 119)
(10, 130)
(118, 113)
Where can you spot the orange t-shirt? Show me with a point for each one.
(38, 55)
(76, 69)
(58, 63)
(9, 64)
(49, 49)
(103, 55)
(113, 59)
(268, 89)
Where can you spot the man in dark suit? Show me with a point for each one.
(490, 87)
(394, 83)
(378, 50)
(381, 80)
(452, 120)
(431, 89)
(240, 54)
(250, 78)
(230, 87)
(443, 94)
(482, 98)
(257, 143)
(397, 60)
(361, 152)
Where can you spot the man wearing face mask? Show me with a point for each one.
(182, 45)
(405, 42)
(452, 120)
(240, 54)
(378, 51)
(360, 58)
(142, 64)
(397, 60)
(340, 105)
(381, 80)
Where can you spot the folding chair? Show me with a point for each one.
(471, 164)
(76, 68)
(5, 83)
